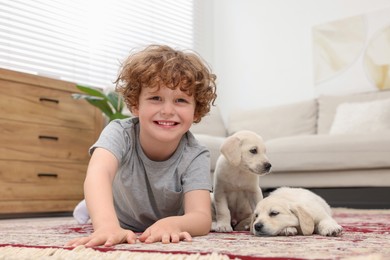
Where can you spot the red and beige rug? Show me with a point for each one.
(366, 236)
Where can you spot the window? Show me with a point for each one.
(84, 41)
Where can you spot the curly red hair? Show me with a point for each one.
(159, 65)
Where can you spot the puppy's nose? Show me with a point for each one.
(259, 226)
(267, 166)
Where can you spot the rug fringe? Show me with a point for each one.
(83, 253)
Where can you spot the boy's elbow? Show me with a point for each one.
(205, 228)
(198, 223)
(202, 231)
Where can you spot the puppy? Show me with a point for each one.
(291, 211)
(236, 181)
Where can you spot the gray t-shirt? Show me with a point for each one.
(144, 190)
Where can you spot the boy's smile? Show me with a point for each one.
(166, 123)
(165, 115)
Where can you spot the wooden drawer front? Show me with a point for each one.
(36, 206)
(22, 141)
(38, 181)
(29, 103)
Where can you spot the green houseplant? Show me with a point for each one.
(111, 104)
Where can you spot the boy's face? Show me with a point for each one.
(164, 114)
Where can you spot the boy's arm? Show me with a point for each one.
(196, 221)
(98, 188)
(197, 212)
(98, 195)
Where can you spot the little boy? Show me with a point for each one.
(148, 173)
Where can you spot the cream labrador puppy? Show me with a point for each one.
(292, 211)
(236, 181)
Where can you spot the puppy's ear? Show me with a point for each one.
(306, 222)
(231, 150)
(251, 224)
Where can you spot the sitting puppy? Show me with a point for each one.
(291, 211)
(236, 181)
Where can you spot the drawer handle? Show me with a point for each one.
(43, 99)
(54, 138)
(43, 174)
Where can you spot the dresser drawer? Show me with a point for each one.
(26, 206)
(45, 135)
(30, 103)
(32, 142)
(37, 181)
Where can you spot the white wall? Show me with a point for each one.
(262, 51)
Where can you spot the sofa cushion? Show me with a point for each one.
(211, 124)
(277, 121)
(362, 117)
(329, 152)
(327, 106)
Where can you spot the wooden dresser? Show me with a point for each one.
(44, 139)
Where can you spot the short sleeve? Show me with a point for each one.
(197, 175)
(115, 138)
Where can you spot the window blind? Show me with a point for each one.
(85, 41)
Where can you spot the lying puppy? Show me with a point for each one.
(236, 181)
(291, 211)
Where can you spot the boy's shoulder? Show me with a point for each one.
(125, 123)
(193, 143)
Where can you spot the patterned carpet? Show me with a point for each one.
(366, 236)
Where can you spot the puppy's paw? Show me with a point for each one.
(244, 225)
(223, 228)
(213, 226)
(288, 231)
(329, 228)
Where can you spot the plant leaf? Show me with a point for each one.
(111, 105)
(91, 91)
(116, 101)
(102, 105)
(83, 96)
(118, 115)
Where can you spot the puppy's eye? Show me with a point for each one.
(253, 150)
(273, 213)
(256, 215)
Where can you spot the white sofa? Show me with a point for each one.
(330, 142)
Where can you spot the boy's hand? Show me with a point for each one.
(107, 236)
(165, 231)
